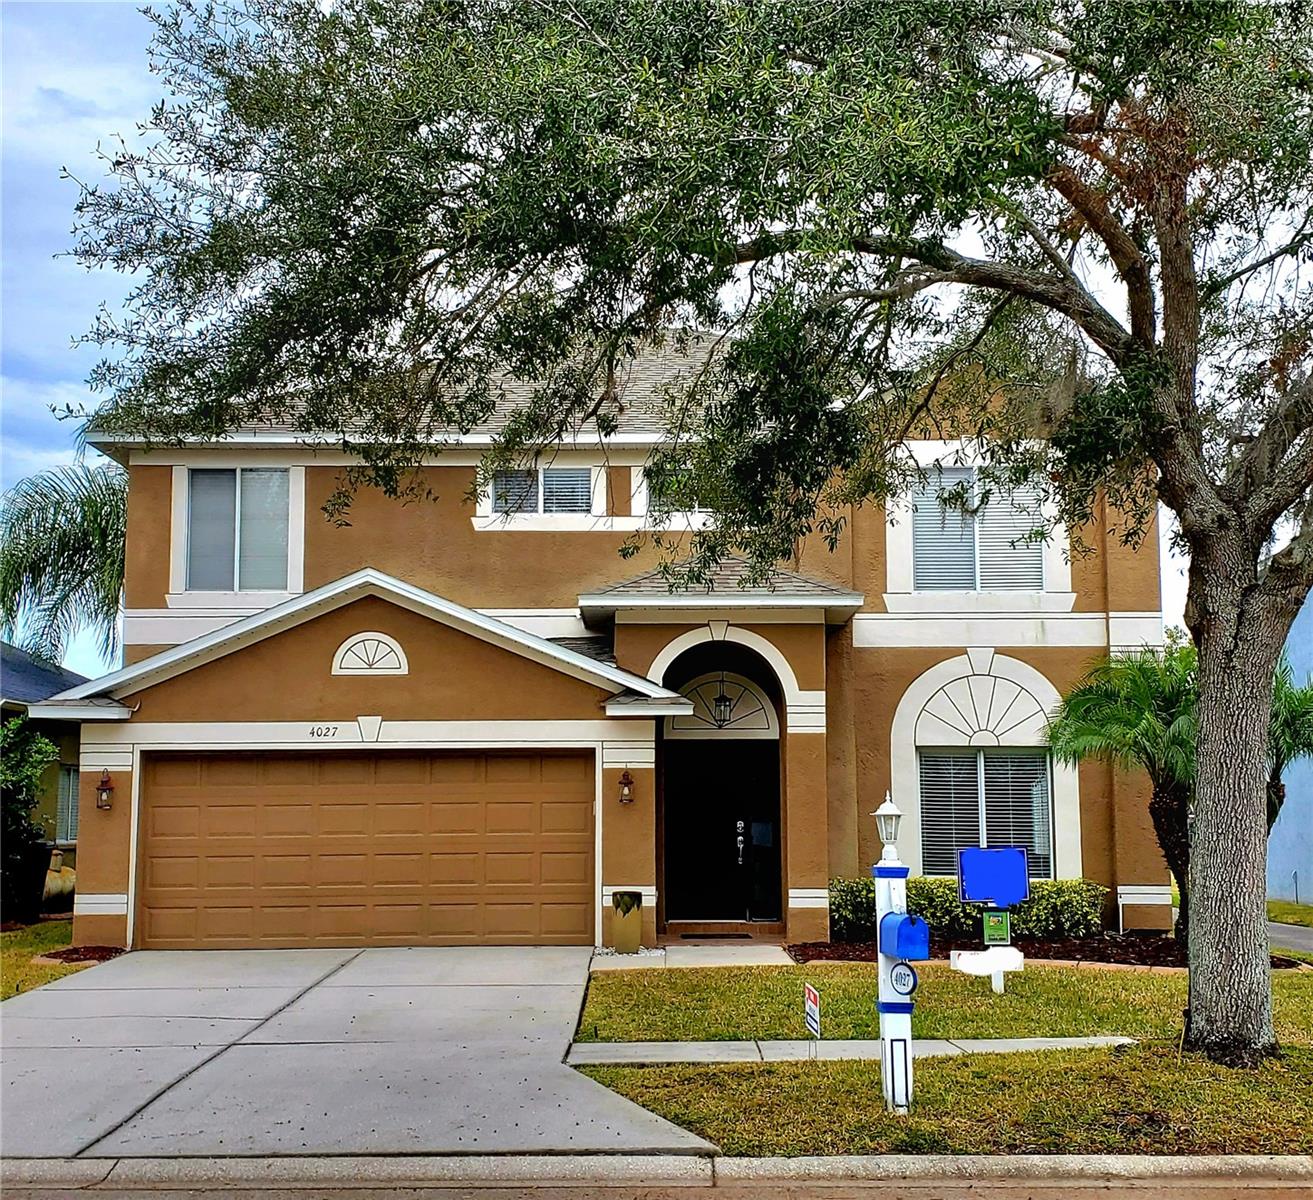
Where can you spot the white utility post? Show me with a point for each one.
(901, 937)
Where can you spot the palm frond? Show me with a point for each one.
(62, 538)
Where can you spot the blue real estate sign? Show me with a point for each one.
(993, 875)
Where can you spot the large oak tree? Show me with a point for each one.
(993, 218)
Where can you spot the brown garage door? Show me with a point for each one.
(366, 849)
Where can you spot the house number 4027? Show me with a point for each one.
(323, 731)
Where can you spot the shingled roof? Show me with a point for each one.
(641, 406)
(26, 679)
(731, 578)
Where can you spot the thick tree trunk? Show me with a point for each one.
(1169, 809)
(1239, 639)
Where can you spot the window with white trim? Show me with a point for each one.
(543, 490)
(985, 797)
(237, 523)
(66, 808)
(983, 549)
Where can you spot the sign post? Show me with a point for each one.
(997, 877)
(811, 1014)
(902, 937)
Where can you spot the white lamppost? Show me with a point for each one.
(901, 937)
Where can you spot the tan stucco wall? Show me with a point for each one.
(104, 856)
(636, 646)
(1117, 841)
(146, 569)
(434, 544)
(453, 676)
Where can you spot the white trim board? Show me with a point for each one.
(973, 628)
(347, 590)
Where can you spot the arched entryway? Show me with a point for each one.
(720, 787)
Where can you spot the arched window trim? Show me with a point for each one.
(755, 718)
(370, 653)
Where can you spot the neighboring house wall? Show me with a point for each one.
(1290, 844)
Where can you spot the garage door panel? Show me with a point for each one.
(413, 848)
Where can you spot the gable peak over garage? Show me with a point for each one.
(91, 696)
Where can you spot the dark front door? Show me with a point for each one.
(722, 830)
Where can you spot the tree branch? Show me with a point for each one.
(1217, 284)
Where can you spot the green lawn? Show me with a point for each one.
(730, 1003)
(1290, 913)
(1135, 1100)
(18, 973)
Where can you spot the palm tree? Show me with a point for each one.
(1291, 733)
(62, 535)
(1138, 710)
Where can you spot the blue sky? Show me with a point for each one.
(75, 74)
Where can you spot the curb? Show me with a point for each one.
(635, 1170)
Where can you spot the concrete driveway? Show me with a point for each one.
(300, 1052)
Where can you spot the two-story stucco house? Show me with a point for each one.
(463, 723)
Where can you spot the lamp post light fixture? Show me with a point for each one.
(626, 788)
(105, 790)
(887, 820)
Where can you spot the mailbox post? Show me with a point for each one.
(902, 937)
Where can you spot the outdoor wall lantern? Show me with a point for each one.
(722, 706)
(626, 788)
(887, 820)
(105, 790)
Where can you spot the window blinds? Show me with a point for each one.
(957, 551)
(950, 808)
(211, 530)
(1009, 563)
(943, 539)
(567, 490)
(1017, 809)
(262, 556)
(515, 492)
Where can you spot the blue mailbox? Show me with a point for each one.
(904, 936)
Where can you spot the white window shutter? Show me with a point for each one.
(567, 490)
(211, 529)
(943, 539)
(515, 492)
(950, 808)
(1008, 562)
(262, 561)
(1018, 811)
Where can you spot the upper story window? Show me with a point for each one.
(994, 797)
(237, 524)
(543, 490)
(975, 551)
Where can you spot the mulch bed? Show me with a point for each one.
(1128, 950)
(77, 954)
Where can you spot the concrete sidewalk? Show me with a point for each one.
(636, 1053)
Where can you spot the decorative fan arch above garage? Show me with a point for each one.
(371, 653)
(725, 706)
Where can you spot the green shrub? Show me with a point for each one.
(1057, 908)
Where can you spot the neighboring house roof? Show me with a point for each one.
(25, 679)
(640, 407)
(730, 586)
(178, 659)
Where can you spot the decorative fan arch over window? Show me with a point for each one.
(725, 706)
(370, 654)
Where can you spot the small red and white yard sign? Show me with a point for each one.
(811, 1009)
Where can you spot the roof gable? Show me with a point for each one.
(347, 590)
